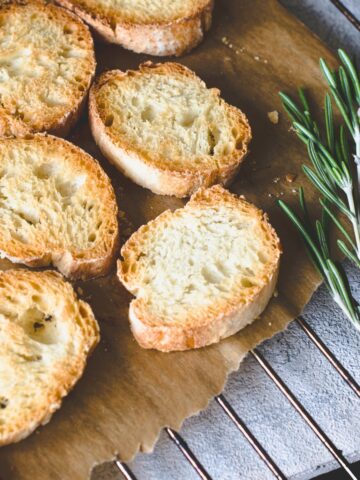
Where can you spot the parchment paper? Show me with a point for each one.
(128, 394)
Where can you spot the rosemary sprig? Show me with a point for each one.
(317, 244)
(335, 174)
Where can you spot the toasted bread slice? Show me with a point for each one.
(46, 335)
(47, 63)
(57, 206)
(201, 273)
(144, 26)
(165, 130)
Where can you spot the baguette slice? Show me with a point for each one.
(165, 130)
(46, 335)
(158, 28)
(47, 63)
(201, 273)
(57, 206)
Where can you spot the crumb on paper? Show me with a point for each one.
(270, 324)
(276, 179)
(294, 190)
(225, 40)
(274, 117)
(257, 58)
(240, 50)
(290, 177)
(265, 61)
(276, 293)
(270, 195)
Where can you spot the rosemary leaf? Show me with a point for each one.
(344, 144)
(322, 187)
(329, 123)
(349, 254)
(344, 57)
(291, 106)
(315, 254)
(343, 109)
(322, 239)
(337, 223)
(328, 73)
(345, 300)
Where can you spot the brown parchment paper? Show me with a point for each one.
(128, 394)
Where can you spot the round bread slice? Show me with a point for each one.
(57, 206)
(165, 130)
(147, 26)
(47, 63)
(201, 273)
(46, 335)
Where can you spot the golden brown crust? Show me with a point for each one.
(161, 38)
(150, 169)
(223, 317)
(60, 122)
(70, 260)
(23, 354)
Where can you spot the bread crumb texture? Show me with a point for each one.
(147, 26)
(144, 11)
(56, 206)
(165, 116)
(46, 334)
(201, 272)
(46, 65)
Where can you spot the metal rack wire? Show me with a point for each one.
(311, 422)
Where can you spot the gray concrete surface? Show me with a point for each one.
(212, 436)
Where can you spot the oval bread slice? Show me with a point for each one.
(46, 335)
(57, 206)
(201, 273)
(147, 26)
(165, 130)
(47, 63)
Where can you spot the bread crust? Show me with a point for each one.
(156, 38)
(67, 371)
(147, 168)
(13, 125)
(221, 319)
(71, 262)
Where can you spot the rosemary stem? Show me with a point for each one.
(357, 154)
(354, 220)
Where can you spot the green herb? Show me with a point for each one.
(317, 244)
(335, 156)
(336, 160)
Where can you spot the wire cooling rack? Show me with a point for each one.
(346, 468)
